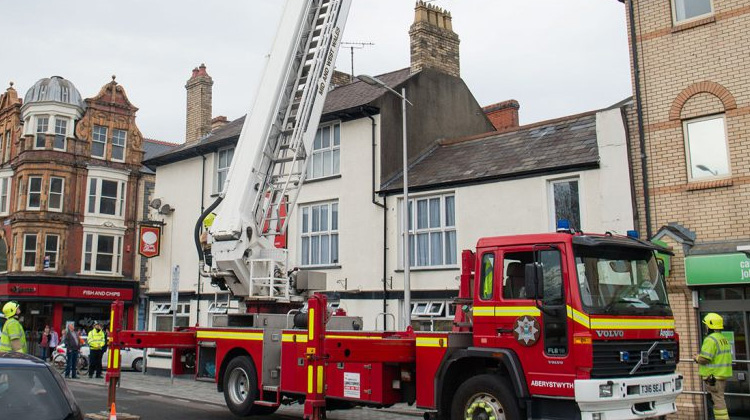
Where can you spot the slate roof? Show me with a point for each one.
(151, 148)
(545, 147)
(342, 100)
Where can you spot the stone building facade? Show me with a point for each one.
(69, 184)
(691, 166)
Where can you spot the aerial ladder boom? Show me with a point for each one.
(270, 160)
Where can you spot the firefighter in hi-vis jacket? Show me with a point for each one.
(715, 360)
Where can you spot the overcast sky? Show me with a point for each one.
(556, 57)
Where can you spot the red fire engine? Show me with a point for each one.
(562, 325)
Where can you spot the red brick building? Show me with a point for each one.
(69, 181)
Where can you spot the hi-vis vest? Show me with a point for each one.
(12, 330)
(96, 339)
(717, 349)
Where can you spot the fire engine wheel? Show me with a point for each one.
(240, 386)
(485, 397)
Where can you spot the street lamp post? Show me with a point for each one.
(406, 314)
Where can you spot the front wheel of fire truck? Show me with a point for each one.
(240, 386)
(485, 397)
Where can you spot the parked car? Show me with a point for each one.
(129, 359)
(30, 389)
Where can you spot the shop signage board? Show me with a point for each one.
(707, 270)
(63, 291)
(149, 241)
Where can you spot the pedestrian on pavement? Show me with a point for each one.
(97, 341)
(715, 360)
(72, 347)
(54, 341)
(44, 342)
(13, 337)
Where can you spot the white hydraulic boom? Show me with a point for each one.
(270, 159)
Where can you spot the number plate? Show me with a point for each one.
(652, 388)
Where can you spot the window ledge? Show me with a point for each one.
(705, 185)
(693, 24)
(320, 267)
(450, 268)
(323, 178)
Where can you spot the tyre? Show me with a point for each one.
(138, 364)
(240, 386)
(83, 365)
(59, 362)
(485, 397)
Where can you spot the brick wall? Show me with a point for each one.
(690, 70)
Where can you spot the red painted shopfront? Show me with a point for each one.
(55, 302)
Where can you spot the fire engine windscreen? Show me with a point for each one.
(620, 280)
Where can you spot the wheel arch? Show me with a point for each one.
(232, 354)
(464, 364)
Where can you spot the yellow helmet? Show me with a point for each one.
(209, 220)
(714, 321)
(10, 309)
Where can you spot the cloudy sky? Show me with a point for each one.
(556, 57)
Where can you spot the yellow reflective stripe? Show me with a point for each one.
(116, 359)
(631, 324)
(432, 341)
(517, 311)
(579, 317)
(311, 324)
(355, 337)
(483, 311)
(290, 338)
(111, 320)
(309, 379)
(320, 379)
(253, 336)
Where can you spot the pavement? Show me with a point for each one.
(185, 388)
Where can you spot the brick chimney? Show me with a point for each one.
(219, 122)
(199, 92)
(340, 78)
(503, 115)
(433, 42)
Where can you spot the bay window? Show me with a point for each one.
(61, 133)
(55, 196)
(106, 197)
(102, 253)
(42, 125)
(51, 251)
(29, 252)
(34, 196)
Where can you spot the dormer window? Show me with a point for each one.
(99, 142)
(42, 125)
(119, 138)
(61, 132)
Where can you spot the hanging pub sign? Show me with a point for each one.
(149, 240)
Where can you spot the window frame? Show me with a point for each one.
(333, 148)
(38, 119)
(688, 154)
(26, 251)
(414, 231)
(552, 208)
(223, 170)
(117, 255)
(676, 22)
(5, 189)
(306, 211)
(29, 192)
(53, 265)
(164, 310)
(123, 146)
(58, 134)
(119, 199)
(94, 136)
(61, 194)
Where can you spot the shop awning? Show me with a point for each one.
(718, 269)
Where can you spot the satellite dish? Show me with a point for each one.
(166, 209)
(155, 203)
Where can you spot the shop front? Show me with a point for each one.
(721, 284)
(59, 301)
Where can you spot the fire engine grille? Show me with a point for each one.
(617, 358)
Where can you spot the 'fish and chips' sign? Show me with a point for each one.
(149, 241)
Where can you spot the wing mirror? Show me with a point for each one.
(533, 277)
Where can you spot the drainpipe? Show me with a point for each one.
(639, 110)
(385, 219)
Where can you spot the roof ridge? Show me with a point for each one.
(162, 142)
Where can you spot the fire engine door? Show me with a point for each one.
(535, 329)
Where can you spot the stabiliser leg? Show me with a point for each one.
(315, 402)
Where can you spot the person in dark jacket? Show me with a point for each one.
(72, 346)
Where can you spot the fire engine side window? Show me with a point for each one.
(514, 280)
(555, 321)
(487, 283)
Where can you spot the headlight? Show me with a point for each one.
(605, 390)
